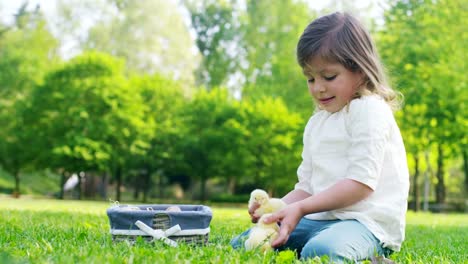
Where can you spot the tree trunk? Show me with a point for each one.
(465, 164)
(118, 178)
(415, 183)
(80, 191)
(90, 185)
(147, 183)
(103, 186)
(161, 185)
(440, 187)
(136, 186)
(427, 181)
(203, 188)
(63, 179)
(232, 185)
(16, 190)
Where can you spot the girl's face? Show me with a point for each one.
(331, 84)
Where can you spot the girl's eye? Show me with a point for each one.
(331, 78)
(311, 80)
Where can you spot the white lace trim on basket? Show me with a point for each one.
(186, 232)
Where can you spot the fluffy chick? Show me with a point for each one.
(267, 204)
(261, 235)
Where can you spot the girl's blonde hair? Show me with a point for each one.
(339, 37)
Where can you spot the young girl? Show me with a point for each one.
(350, 200)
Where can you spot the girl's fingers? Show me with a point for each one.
(282, 238)
(276, 217)
(252, 214)
(254, 207)
(272, 218)
(254, 218)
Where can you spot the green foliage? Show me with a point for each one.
(272, 131)
(92, 65)
(87, 115)
(99, 113)
(431, 45)
(165, 100)
(210, 119)
(39, 231)
(27, 52)
(150, 35)
(258, 43)
(270, 39)
(242, 142)
(217, 35)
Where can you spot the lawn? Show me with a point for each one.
(51, 231)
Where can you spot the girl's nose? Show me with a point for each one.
(318, 87)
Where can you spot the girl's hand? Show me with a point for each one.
(253, 217)
(289, 217)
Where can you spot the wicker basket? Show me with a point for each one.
(194, 222)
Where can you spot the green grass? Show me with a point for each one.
(51, 231)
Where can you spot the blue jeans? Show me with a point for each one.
(340, 240)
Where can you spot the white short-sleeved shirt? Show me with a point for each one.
(361, 142)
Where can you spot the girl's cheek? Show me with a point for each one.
(311, 89)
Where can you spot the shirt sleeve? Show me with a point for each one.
(369, 128)
(304, 171)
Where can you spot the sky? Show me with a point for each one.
(9, 7)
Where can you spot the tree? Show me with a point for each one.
(430, 42)
(28, 51)
(270, 39)
(413, 129)
(164, 99)
(273, 142)
(150, 35)
(217, 29)
(209, 117)
(89, 118)
(364, 10)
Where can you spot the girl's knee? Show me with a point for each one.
(238, 241)
(318, 249)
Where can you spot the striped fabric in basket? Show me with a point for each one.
(194, 222)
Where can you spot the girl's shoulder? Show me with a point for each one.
(317, 118)
(370, 110)
(369, 104)
(318, 114)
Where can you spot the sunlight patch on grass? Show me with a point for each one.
(33, 204)
(435, 220)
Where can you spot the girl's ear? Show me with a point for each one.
(362, 87)
(363, 80)
(362, 75)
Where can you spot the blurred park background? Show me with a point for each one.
(203, 100)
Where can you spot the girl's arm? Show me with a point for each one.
(291, 197)
(295, 196)
(344, 193)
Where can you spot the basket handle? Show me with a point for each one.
(159, 234)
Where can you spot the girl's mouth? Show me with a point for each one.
(326, 100)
